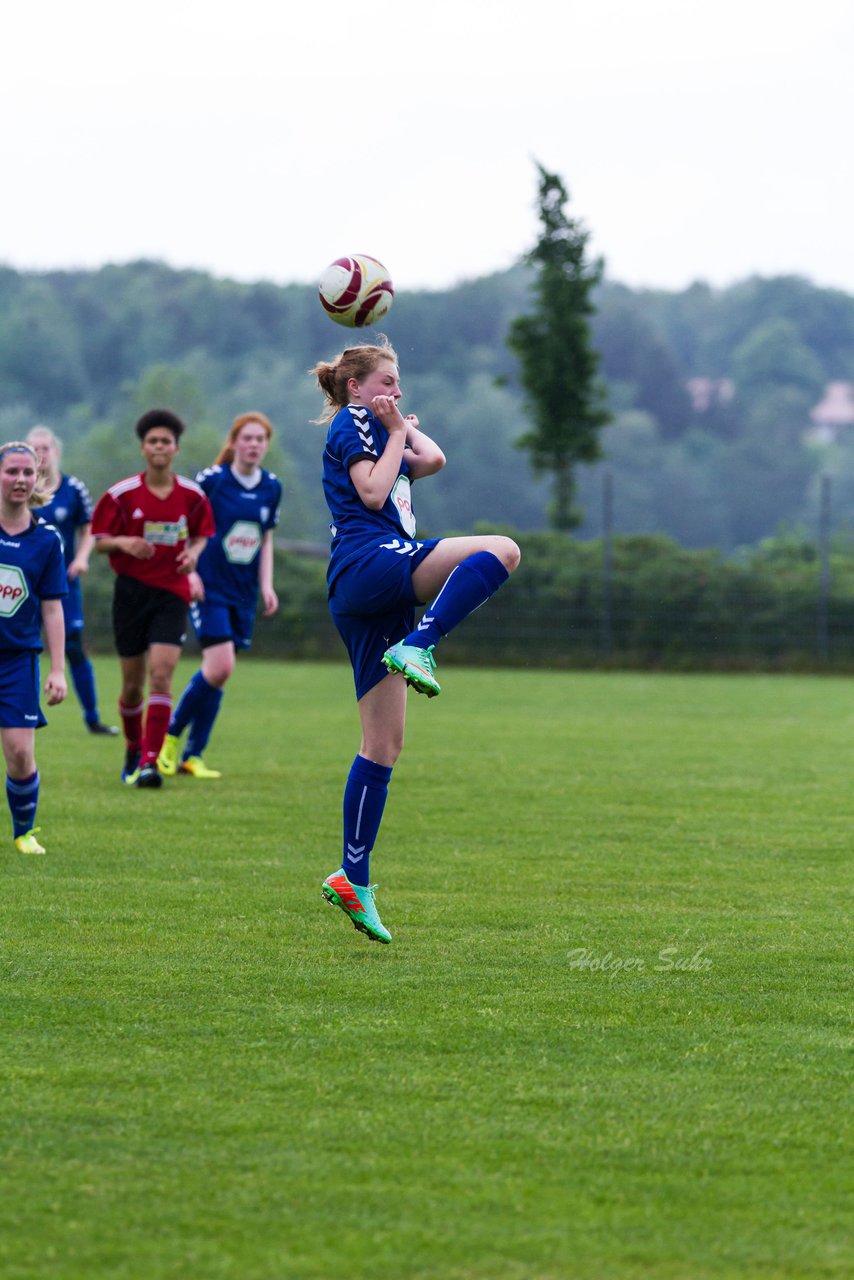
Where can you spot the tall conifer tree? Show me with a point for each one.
(558, 365)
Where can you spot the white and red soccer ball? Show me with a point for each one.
(356, 291)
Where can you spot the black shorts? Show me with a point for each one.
(144, 615)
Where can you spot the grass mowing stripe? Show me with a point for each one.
(612, 1036)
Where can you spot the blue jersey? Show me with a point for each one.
(68, 510)
(230, 563)
(32, 569)
(355, 434)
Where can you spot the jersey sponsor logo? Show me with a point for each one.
(401, 496)
(165, 533)
(242, 542)
(13, 590)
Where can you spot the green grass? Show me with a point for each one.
(612, 1038)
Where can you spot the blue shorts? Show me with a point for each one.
(19, 691)
(217, 623)
(373, 606)
(72, 607)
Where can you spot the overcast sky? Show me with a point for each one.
(699, 139)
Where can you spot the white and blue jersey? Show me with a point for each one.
(69, 509)
(229, 566)
(32, 569)
(355, 434)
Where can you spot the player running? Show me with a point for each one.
(68, 508)
(32, 584)
(378, 571)
(236, 563)
(154, 527)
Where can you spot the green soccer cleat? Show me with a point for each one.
(357, 902)
(196, 766)
(167, 761)
(27, 843)
(415, 665)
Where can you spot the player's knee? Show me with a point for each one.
(216, 673)
(132, 693)
(383, 750)
(507, 552)
(20, 763)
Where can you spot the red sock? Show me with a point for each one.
(156, 724)
(132, 725)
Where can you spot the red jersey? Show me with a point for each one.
(130, 509)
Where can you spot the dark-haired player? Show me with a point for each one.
(154, 527)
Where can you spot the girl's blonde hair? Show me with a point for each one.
(54, 439)
(225, 457)
(39, 495)
(354, 362)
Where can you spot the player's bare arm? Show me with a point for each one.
(423, 456)
(55, 687)
(265, 576)
(127, 543)
(187, 559)
(374, 480)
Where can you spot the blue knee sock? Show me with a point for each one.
(23, 797)
(203, 721)
(364, 801)
(188, 704)
(83, 679)
(469, 586)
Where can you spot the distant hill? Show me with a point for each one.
(711, 390)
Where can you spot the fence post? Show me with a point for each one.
(824, 570)
(606, 636)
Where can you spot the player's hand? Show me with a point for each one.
(76, 568)
(271, 603)
(138, 548)
(55, 688)
(197, 587)
(411, 424)
(386, 411)
(186, 561)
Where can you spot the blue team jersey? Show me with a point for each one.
(355, 434)
(32, 569)
(230, 563)
(68, 510)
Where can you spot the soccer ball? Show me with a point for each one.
(356, 291)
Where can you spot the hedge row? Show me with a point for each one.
(643, 601)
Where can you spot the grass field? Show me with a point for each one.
(612, 1037)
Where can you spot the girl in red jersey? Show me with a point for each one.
(154, 527)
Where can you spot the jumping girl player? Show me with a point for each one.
(378, 572)
(235, 564)
(32, 584)
(68, 508)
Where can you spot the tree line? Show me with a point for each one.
(87, 351)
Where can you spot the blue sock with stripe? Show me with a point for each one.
(469, 585)
(188, 704)
(83, 679)
(207, 711)
(23, 797)
(364, 801)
